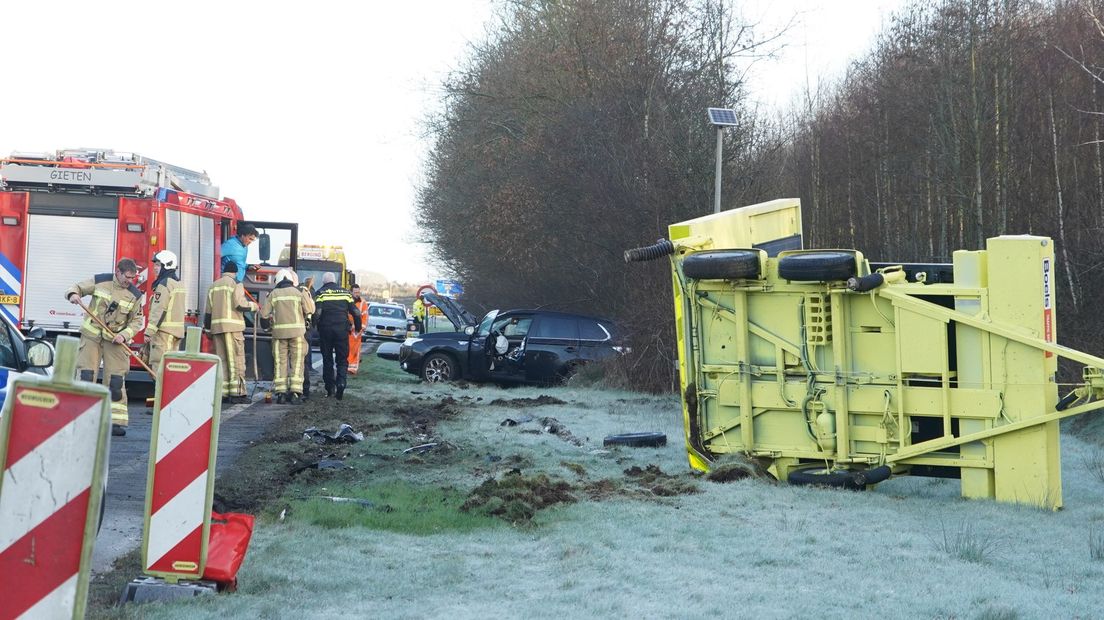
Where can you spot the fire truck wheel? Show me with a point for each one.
(439, 367)
(821, 477)
(722, 265)
(817, 266)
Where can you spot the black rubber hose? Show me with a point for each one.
(865, 283)
(659, 249)
(1066, 401)
(871, 476)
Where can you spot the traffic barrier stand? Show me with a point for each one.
(181, 478)
(53, 447)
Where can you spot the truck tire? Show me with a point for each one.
(439, 367)
(820, 476)
(722, 265)
(636, 440)
(817, 266)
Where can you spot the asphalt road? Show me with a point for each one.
(239, 426)
(127, 471)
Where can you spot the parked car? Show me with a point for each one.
(386, 321)
(19, 354)
(515, 346)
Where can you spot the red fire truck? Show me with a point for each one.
(67, 215)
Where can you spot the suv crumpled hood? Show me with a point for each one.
(454, 312)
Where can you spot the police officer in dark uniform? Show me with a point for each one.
(333, 307)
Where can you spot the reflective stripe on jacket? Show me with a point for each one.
(119, 307)
(166, 312)
(287, 308)
(226, 301)
(334, 306)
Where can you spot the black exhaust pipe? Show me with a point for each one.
(659, 249)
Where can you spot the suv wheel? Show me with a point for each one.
(439, 367)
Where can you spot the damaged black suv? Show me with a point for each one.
(515, 346)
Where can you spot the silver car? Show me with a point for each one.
(386, 321)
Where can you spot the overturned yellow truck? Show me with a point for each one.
(829, 369)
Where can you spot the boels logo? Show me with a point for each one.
(178, 367)
(41, 400)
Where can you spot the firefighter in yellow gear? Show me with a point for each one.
(117, 302)
(355, 336)
(166, 310)
(286, 311)
(226, 301)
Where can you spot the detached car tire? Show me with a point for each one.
(817, 266)
(636, 440)
(439, 367)
(722, 265)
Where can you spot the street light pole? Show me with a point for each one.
(720, 118)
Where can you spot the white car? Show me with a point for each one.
(386, 321)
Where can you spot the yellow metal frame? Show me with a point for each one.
(953, 375)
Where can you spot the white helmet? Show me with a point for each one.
(286, 274)
(166, 258)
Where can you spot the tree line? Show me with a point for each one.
(577, 129)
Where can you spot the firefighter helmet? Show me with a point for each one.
(286, 274)
(166, 258)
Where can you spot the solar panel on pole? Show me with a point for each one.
(722, 117)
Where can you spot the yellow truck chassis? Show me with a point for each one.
(826, 370)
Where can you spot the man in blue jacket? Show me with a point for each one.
(236, 249)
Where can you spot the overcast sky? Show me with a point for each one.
(307, 112)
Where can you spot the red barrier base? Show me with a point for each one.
(230, 535)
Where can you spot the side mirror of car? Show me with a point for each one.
(264, 247)
(40, 354)
(469, 330)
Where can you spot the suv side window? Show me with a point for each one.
(561, 328)
(592, 330)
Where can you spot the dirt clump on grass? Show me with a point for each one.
(648, 483)
(519, 403)
(652, 479)
(516, 498)
(422, 421)
(736, 467)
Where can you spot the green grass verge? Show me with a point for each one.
(394, 506)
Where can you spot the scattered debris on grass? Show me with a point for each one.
(554, 427)
(344, 434)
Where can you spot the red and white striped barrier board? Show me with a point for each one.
(180, 485)
(53, 448)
